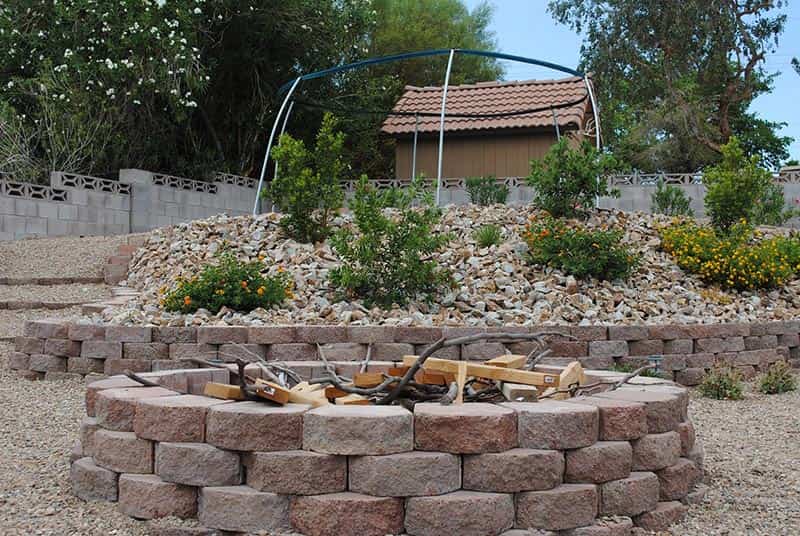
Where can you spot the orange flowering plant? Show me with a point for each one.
(577, 250)
(238, 285)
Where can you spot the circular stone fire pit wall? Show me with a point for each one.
(472, 469)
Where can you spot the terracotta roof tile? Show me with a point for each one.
(488, 98)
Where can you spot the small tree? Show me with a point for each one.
(670, 200)
(738, 188)
(567, 180)
(308, 189)
(388, 261)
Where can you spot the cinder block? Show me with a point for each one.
(46, 329)
(145, 350)
(629, 496)
(171, 335)
(149, 497)
(664, 410)
(19, 361)
(656, 451)
(602, 462)
(391, 351)
(646, 347)
(115, 408)
(92, 483)
(181, 350)
(101, 349)
(468, 428)
(272, 334)
(660, 518)
(129, 334)
(86, 332)
(197, 464)
(370, 334)
(222, 334)
(123, 452)
(466, 513)
(47, 363)
(345, 351)
(676, 481)
(613, 348)
(629, 333)
(546, 510)
(407, 474)
(297, 472)
(175, 418)
(514, 470)
(555, 425)
(29, 345)
(112, 367)
(347, 514)
(358, 430)
(254, 426)
(481, 351)
(417, 335)
(300, 351)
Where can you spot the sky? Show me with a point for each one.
(525, 28)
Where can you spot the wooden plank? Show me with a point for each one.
(272, 391)
(305, 387)
(353, 400)
(428, 377)
(313, 398)
(487, 371)
(511, 361)
(397, 371)
(570, 376)
(517, 392)
(367, 380)
(461, 379)
(223, 391)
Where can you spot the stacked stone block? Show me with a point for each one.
(56, 350)
(474, 469)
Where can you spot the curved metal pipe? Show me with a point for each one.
(441, 128)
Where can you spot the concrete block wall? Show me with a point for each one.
(81, 205)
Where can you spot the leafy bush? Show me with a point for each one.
(567, 181)
(488, 235)
(627, 368)
(388, 260)
(579, 251)
(486, 191)
(231, 283)
(308, 189)
(736, 259)
(738, 188)
(670, 200)
(778, 379)
(722, 383)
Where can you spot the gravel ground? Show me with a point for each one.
(80, 292)
(57, 257)
(11, 322)
(751, 463)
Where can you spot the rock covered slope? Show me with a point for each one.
(494, 286)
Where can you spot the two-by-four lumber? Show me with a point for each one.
(517, 392)
(223, 391)
(512, 361)
(572, 375)
(367, 380)
(486, 371)
(461, 379)
(353, 400)
(272, 391)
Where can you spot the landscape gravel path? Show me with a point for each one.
(73, 293)
(751, 462)
(68, 256)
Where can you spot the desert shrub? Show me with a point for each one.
(389, 260)
(579, 251)
(308, 189)
(230, 283)
(670, 200)
(722, 383)
(486, 191)
(488, 235)
(738, 188)
(567, 181)
(778, 379)
(736, 259)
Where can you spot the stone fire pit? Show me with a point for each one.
(612, 460)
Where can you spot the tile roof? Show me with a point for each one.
(492, 98)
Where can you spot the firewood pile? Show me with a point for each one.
(422, 378)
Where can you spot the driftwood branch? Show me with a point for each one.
(144, 381)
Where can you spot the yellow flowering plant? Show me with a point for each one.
(238, 285)
(737, 259)
(579, 251)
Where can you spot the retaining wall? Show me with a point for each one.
(52, 350)
(473, 470)
(140, 201)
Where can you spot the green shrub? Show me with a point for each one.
(567, 181)
(308, 189)
(389, 260)
(778, 379)
(486, 191)
(670, 200)
(735, 259)
(738, 188)
(723, 384)
(627, 368)
(579, 251)
(488, 235)
(231, 283)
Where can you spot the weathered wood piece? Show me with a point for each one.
(511, 361)
(223, 391)
(517, 392)
(487, 371)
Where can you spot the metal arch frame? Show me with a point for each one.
(290, 87)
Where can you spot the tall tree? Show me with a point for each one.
(676, 79)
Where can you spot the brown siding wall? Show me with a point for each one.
(501, 156)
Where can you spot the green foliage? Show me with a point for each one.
(778, 379)
(670, 200)
(737, 259)
(308, 189)
(578, 251)
(486, 191)
(737, 189)
(230, 283)
(566, 181)
(388, 260)
(722, 383)
(488, 235)
(675, 79)
(627, 368)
